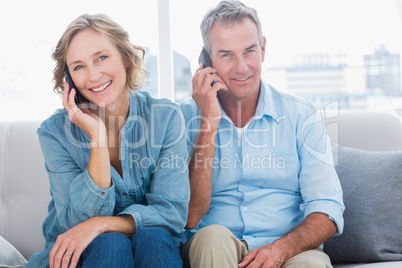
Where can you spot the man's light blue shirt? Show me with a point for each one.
(269, 179)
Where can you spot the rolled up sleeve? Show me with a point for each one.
(319, 183)
(74, 194)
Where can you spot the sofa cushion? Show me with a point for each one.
(372, 189)
(9, 256)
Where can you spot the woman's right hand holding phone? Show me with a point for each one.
(84, 118)
(94, 127)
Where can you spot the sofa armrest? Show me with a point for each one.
(362, 129)
(24, 186)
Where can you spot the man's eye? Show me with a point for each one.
(225, 55)
(250, 51)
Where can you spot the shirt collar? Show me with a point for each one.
(265, 104)
(133, 113)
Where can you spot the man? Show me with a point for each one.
(261, 170)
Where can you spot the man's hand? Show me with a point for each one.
(205, 87)
(311, 233)
(268, 256)
(200, 172)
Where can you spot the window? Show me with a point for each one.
(317, 49)
(324, 51)
(30, 31)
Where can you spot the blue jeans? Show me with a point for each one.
(147, 248)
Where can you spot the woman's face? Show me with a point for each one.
(97, 68)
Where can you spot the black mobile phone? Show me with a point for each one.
(204, 58)
(78, 96)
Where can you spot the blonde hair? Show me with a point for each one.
(133, 56)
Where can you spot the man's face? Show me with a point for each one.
(237, 55)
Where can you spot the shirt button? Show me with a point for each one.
(244, 208)
(125, 194)
(103, 193)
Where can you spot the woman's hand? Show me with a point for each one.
(90, 123)
(70, 245)
(84, 118)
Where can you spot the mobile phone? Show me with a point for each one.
(78, 96)
(204, 58)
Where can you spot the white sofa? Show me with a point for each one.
(24, 186)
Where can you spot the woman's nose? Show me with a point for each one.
(94, 74)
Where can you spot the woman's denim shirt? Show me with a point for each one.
(155, 186)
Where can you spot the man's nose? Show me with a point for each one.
(240, 65)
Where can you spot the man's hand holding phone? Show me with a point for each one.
(206, 84)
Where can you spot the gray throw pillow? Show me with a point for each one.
(372, 190)
(10, 256)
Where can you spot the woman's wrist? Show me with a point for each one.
(123, 224)
(99, 139)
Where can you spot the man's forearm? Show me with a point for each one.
(312, 232)
(200, 173)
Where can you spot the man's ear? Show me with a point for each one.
(264, 43)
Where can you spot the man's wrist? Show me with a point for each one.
(285, 248)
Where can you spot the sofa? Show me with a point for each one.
(24, 186)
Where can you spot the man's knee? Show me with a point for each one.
(314, 258)
(213, 246)
(308, 263)
(212, 235)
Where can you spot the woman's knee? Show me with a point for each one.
(151, 235)
(108, 248)
(155, 248)
(115, 240)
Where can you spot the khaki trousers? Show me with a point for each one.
(216, 247)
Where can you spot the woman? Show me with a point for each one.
(116, 158)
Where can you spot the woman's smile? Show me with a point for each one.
(102, 87)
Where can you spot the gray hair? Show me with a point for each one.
(228, 12)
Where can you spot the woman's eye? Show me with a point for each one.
(78, 67)
(102, 57)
